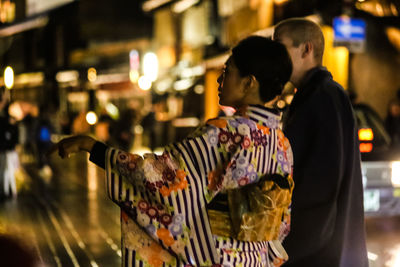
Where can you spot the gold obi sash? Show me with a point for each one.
(254, 212)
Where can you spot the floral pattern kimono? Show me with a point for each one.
(163, 198)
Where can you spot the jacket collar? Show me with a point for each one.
(311, 74)
(310, 83)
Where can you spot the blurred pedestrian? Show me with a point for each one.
(169, 216)
(122, 131)
(327, 227)
(156, 124)
(9, 161)
(79, 123)
(44, 131)
(103, 128)
(29, 126)
(392, 122)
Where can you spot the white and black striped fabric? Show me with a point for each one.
(199, 156)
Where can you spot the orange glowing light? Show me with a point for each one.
(365, 134)
(365, 147)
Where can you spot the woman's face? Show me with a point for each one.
(230, 90)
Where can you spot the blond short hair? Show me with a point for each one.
(300, 31)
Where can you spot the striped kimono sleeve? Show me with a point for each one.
(163, 195)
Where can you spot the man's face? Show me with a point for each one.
(296, 56)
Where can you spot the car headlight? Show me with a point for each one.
(396, 173)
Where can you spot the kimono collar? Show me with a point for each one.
(261, 115)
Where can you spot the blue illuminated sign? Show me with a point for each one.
(350, 33)
(349, 29)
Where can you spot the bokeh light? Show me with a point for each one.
(9, 77)
(91, 118)
(92, 74)
(150, 66)
(144, 83)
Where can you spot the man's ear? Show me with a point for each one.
(308, 49)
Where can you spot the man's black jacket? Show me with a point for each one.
(327, 225)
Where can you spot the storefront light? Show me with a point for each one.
(133, 76)
(194, 71)
(199, 89)
(396, 173)
(393, 33)
(183, 84)
(280, 2)
(149, 5)
(182, 5)
(67, 76)
(15, 110)
(366, 147)
(141, 151)
(134, 60)
(112, 110)
(9, 77)
(150, 66)
(186, 122)
(393, 258)
(138, 129)
(163, 85)
(394, 10)
(365, 134)
(92, 74)
(372, 256)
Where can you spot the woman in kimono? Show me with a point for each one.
(221, 196)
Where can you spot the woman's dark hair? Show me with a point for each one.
(267, 60)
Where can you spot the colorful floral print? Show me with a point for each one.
(145, 246)
(164, 197)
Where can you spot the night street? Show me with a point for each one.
(286, 98)
(69, 220)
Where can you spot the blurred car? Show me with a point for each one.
(380, 165)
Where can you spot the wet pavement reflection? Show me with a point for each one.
(383, 241)
(68, 220)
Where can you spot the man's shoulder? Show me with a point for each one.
(331, 85)
(326, 89)
(326, 97)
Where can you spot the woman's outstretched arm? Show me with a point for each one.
(72, 145)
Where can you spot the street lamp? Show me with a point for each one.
(9, 77)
